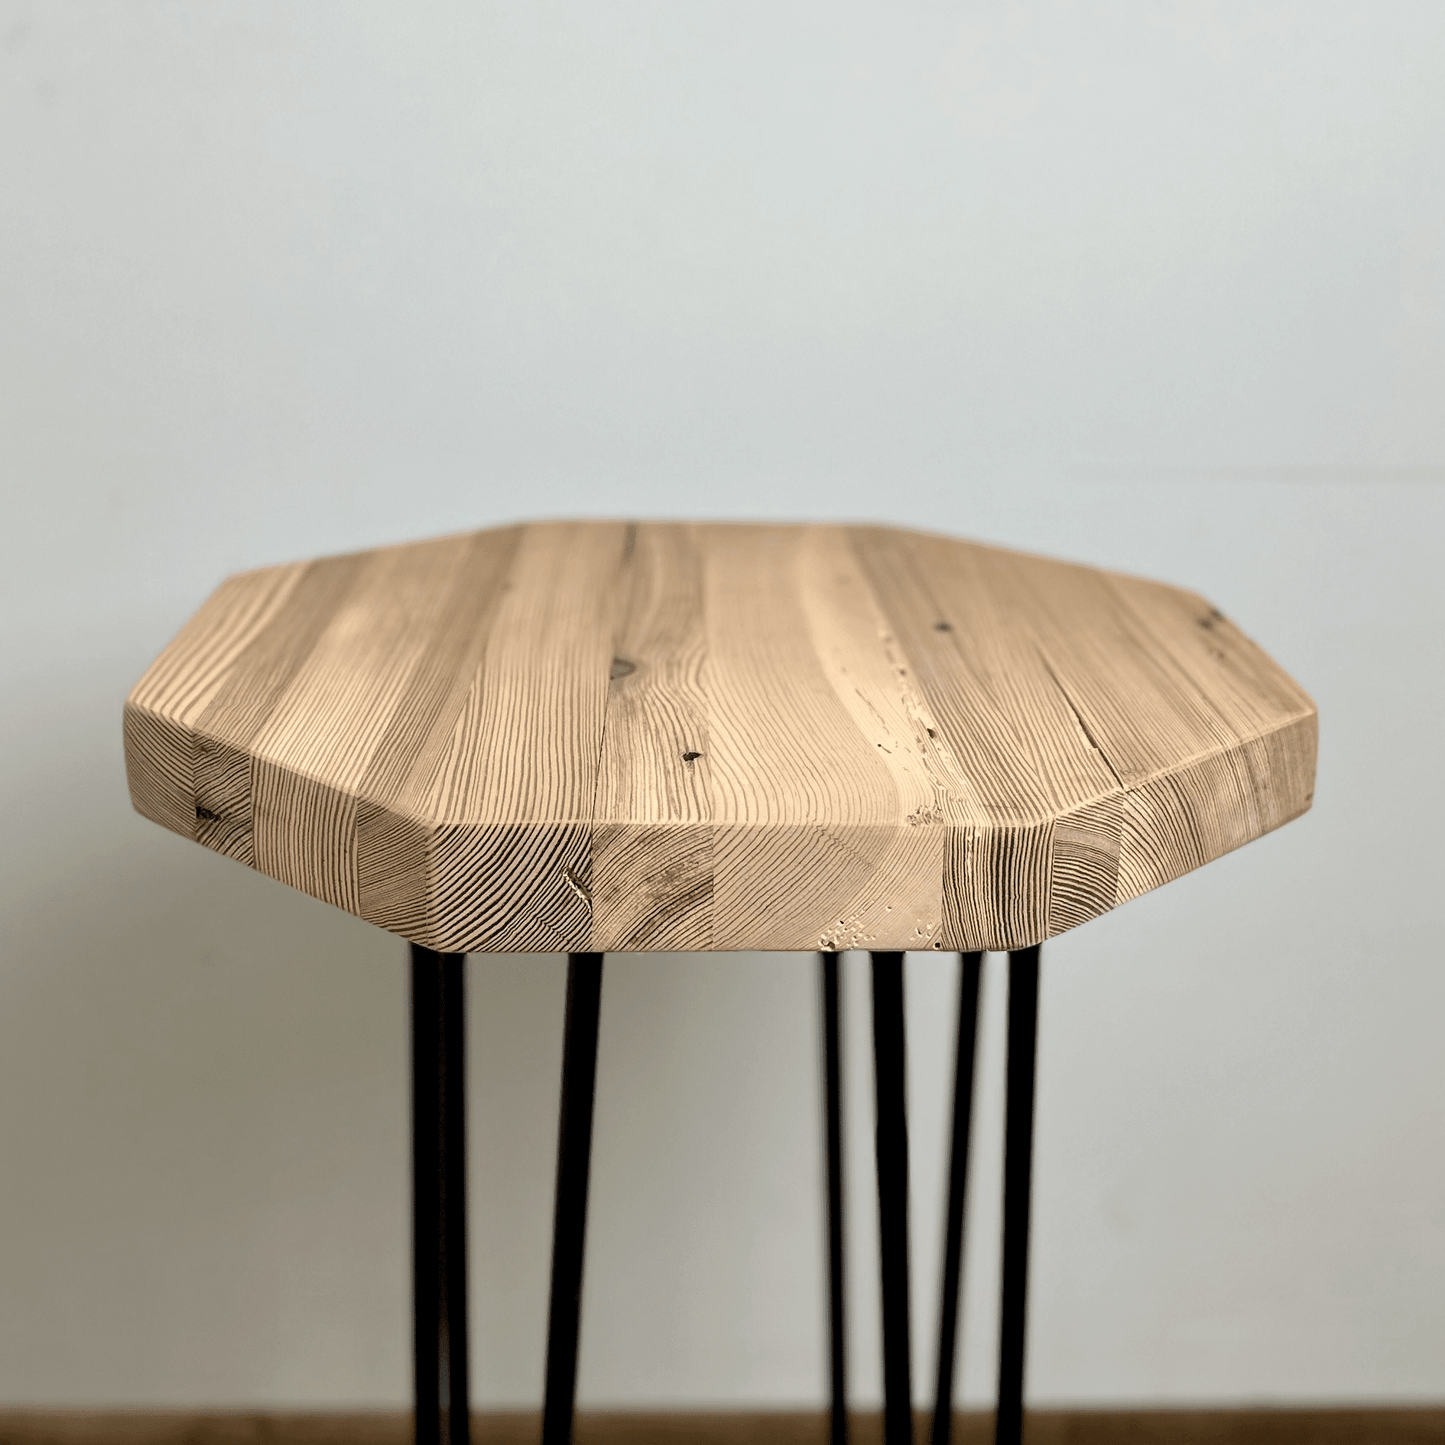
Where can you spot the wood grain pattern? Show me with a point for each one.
(664, 736)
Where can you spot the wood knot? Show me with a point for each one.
(691, 757)
(621, 667)
(205, 815)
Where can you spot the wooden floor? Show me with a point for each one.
(1389, 1426)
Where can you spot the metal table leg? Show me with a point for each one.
(1023, 1016)
(970, 972)
(569, 1227)
(439, 1197)
(892, 1152)
(833, 1132)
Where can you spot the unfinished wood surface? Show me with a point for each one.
(570, 736)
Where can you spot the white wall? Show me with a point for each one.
(1154, 285)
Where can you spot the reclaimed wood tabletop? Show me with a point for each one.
(600, 735)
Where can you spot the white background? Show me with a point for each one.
(1154, 285)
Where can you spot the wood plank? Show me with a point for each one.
(1213, 747)
(1208, 805)
(254, 685)
(318, 744)
(956, 611)
(512, 800)
(162, 709)
(651, 862)
(901, 907)
(393, 832)
(813, 842)
(1226, 1425)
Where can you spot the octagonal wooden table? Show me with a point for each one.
(588, 736)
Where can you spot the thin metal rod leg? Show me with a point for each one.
(892, 1151)
(970, 971)
(439, 1197)
(833, 1130)
(1023, 1017)
(569, 1226)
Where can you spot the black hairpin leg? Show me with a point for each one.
(970, 970)
(569, 1225)
(892, 1150)
(439, 1196)
(1023, 1015)
(833, 1131)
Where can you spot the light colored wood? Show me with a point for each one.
(1377, 1425)
(569, 736)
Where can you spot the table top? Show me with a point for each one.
(574, 736)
